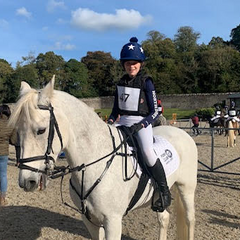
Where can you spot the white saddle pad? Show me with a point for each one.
(167, 155)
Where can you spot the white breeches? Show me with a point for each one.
(144, 138)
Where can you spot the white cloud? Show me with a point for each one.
(3, 23)
(52, 5)
(23, 12)
(61, 46)
(123, 19)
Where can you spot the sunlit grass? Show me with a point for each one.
(168, 113)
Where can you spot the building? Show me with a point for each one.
(236, 99)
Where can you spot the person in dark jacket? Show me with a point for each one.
(135, 106)
(195, 121)
(7, 135)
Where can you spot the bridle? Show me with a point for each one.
(52, 126)
(62, 171)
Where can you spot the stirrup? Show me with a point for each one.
(158, 205)
(162, 203)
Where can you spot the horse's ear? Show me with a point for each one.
(47, 91)
(24, 88)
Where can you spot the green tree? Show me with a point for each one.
(217, 42)
(30, 59)
(47, 65)
(99, 65)
(186, 46)
(235, 37)
(219, 69)
(76, 80)
(160, 64)
(27, 73)
(5, 73)
(186, 39)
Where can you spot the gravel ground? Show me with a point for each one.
(41, 215)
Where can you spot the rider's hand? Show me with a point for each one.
(110, 121)
(136, 127)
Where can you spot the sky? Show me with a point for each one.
(71, 28)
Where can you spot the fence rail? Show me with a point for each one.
(212, 166)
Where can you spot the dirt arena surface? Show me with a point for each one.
(42, 216)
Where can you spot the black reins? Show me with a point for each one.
(61, 171)
(52, 125)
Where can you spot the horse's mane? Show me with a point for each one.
(25, 108)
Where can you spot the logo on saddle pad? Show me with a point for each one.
(166, 156)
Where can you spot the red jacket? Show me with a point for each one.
(195, 120)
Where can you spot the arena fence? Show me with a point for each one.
(215, 163)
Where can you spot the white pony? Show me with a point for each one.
(102, 194)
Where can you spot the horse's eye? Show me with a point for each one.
(41, 131)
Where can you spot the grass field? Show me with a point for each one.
(168, 113)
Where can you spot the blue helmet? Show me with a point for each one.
(132, 51)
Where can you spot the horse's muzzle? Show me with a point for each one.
(29, 185)
(28, 182)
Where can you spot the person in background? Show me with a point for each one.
(135, 106)
(217, 115)
(7, 135)
(232, 105)
(161, 120)
(195, 121)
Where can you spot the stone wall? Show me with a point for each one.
(182, 101)
(99, 102)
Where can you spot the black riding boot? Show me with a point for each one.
(158, 174)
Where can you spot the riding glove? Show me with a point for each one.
(110, 122)
(135, 128)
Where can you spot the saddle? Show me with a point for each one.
(136, 153)
(132, 142)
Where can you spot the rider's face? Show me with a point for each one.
(132, 67)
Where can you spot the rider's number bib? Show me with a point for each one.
(128, 98)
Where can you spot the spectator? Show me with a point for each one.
(195, 121)
(7, 135)
(161, 120)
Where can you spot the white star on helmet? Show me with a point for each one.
(131, 47)
(141, 49)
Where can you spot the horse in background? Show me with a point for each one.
(218, 123)
(232, 133)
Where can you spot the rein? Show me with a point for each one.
(62, 170)
(52, 125)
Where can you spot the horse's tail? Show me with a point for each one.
(230, 140)
(182, 228)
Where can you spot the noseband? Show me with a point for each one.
(52, 125)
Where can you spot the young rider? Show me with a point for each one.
(136, 104)
(217, 115)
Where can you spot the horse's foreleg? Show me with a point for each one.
(96, 232)
(163, 219)
(113, 227)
